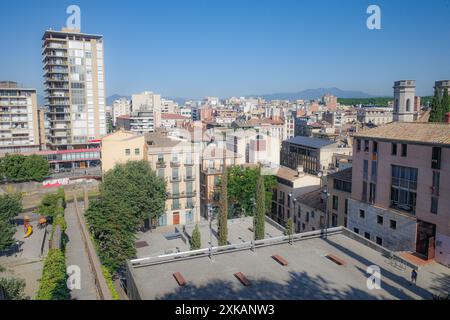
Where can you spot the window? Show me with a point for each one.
(393, 224)
(346, 206)
(403, 188)
(436, 158)
(372, 193)
(137, 151)
(394, 149)
(362, 213)
(127, 152)
(408, 105)
(358, 145)
(364, 191)
(375, 147)
(334, 220)
(335, 202)
(379, 241)
(356, 230)
(434, 205)
(366, 145)
(380, 220)
(342, 185)
(404, 150)
(374, 171)
(367, 235)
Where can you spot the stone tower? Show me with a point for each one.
(404, 93)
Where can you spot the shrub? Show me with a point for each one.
(196, 242)
(13, 289)
(53, 284)
(110, 283)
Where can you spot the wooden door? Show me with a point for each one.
(176, 218)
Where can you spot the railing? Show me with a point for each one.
(191, 178)
(161, 164)
(175, 164)
(175, 179)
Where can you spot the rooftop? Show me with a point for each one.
(308, 275)
(418, 132)
(173, 116)
(313, 200)
(344, 175)
(310, 142)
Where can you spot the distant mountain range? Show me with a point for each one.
(311, 94)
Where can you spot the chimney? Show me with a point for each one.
(447, 117)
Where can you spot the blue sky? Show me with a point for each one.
(194, 48)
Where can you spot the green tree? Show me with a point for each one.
(18, 168)
(260, 208)
(445, 104)
(196, 242)
(436, 113)
(52, 204)
(10, 206)
(223, 209)
(129, 194)
(35, 168)
(289, 228)
(242, 184)
(13, 288)
(7, 232)
(110, 125)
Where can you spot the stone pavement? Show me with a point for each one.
(76, 255)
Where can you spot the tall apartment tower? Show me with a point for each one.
(19, 129)
(75, 88)
(404, 93)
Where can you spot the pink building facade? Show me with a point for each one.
(401, 188)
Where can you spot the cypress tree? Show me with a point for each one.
(436, 108)
(196, 242)
(445, 104)
(260, 208)
(223, 209)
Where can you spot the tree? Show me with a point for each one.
(223, 209)
(18, 168)
(10, 206)
(129, 194)
(7, 232)
(445, 104)
(242, 184)
(289, 227)
(260, 216)
(196, 242)
(13, 289)
(436, 114)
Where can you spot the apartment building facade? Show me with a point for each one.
(291, 184)
(120, 107)
(312, 154)
(19, 122)
(339, 186)
(400, 183)
(174, 160)
(74, 88)
(146, 112)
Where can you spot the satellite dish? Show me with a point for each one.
(320, 174)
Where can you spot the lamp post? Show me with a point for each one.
(291, 234)
(254, 223)
(324, 196)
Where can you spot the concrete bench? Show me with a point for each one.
(243, 279)
(336, 260)
(280, 260)
(180, 279)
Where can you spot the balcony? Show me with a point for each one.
(176, 206)
(175, 179)
(403, 207)
(189, 164)
(189, 178)
(191, 194)
(172, 195)
(213, 170)
(190, 205)
(161, 164)
(175, 163)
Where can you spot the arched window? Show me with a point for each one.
(408, 105)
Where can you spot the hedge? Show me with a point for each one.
(110, 283)
(53, 284)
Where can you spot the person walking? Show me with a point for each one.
(413, 277)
